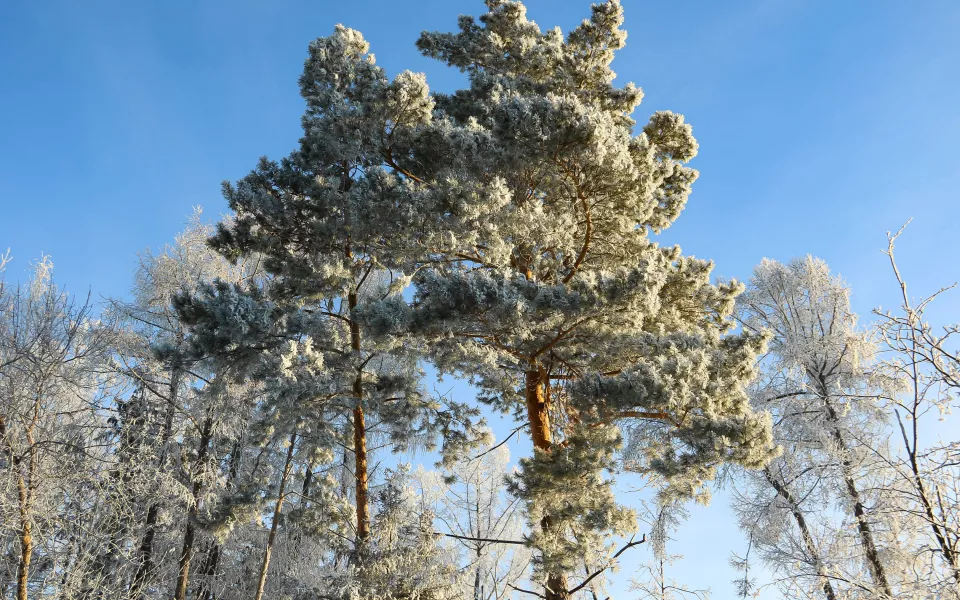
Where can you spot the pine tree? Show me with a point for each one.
(522, 210)
(331, 225)
(543, 284)
(193, 416)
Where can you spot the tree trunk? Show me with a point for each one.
(208, 567)
(360, 454)
(936, 524)
(359, 440)
(307, 480)
(26, 540)
(877, 570)
(477, 590)
(26, 525)
(874, 564)
(25, 488)
(145, 552)
(145, 568)
(186, 554)
(262, 581)
(189, 537)
(542, 436)
(74, 551)
(811, 547)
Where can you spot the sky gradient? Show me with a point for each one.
(821, 126)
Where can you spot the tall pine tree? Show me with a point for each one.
(522, 209)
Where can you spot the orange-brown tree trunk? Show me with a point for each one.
(360, 454)
(359, 441)
(538, 405)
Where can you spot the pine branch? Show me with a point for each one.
(480, 539)
(587, 581)
(526, 591)
(505, 440)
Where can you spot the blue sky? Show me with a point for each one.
(821, 124)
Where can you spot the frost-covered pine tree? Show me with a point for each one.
(523, 208)
(190, 415)
(333, 228)
(541, 281)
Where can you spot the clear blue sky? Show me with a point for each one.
(822, 124)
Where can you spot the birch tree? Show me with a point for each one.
(54, 376)
(474, 509)
(826, 398)
(923, 367)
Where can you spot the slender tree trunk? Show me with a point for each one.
(359, 423)
(145, 566)
(877, 570)
(189, 537)
(25, 533)
(307, 480)
(808, 542)
(542, 436)
(73, 557)
(936, 524)
(25, 488)
(362, 484)
(277, 512)
(477, 590)
(359, 439)
(939, 532)
(874, 564)
(145, 552)
(186, 554)
(305, 488)
(26, 539)
(360, 466)
(208, 568)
